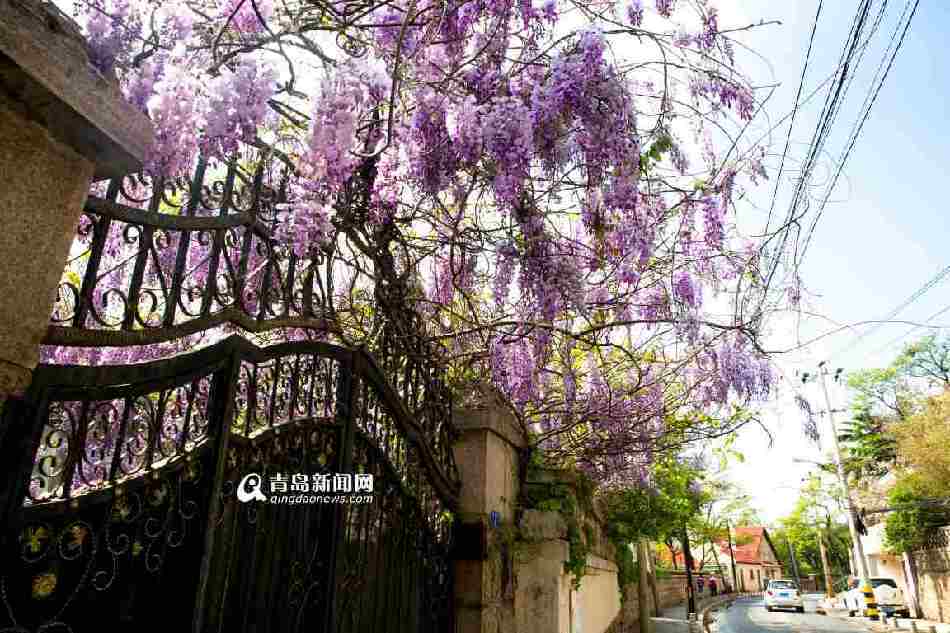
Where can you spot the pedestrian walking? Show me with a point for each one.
(713, 589)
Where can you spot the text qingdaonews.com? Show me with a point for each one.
(301, 499)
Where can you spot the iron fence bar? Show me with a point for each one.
(76, 451)
(189, 408)
(289, 287)
(85, 300)
(194, 194)
(275, 384)
(240, 280)
(178, 278)
(138, 273)
(99, 235)
(120, 439)
(221, 410)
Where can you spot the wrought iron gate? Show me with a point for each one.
(130, 521)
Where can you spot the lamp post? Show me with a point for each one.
(688, 559)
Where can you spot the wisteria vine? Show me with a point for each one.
(551, 201)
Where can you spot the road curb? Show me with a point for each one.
(705, 613)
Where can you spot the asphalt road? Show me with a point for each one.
(749, 616)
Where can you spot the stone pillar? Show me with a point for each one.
(62, 125)
(487, 454)
(545, 599)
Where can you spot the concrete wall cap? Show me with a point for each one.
(493, 417)
(601, 564)
(45, 74)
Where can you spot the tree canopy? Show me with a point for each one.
(817, 514)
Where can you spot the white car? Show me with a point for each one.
(783, 594)
(887, 595)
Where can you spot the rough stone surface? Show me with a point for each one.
(46, 77)
(542, 594)
(537, 525)
(44, 188)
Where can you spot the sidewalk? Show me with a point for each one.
(893, 624)
(675, 619)
(678, 612)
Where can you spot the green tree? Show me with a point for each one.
(922, 441)
(659, 512)
(913, 516)
(928, 359)
(816, 514)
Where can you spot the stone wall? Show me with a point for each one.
(671, 590)
(511, 573)
(545, 596)
(933, 583)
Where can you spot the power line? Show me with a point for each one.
(791, 125)
(827, 117)
(856, 131)
(919, 293)
(912, 330)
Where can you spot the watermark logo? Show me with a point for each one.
(300, 488)
(250, 489)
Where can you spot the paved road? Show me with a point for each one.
(749, 616)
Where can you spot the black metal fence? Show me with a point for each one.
(155, 261)
(122, 513)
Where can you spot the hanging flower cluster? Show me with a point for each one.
(540, 190)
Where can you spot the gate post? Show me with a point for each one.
(345, 410)
(222, 411)
(62, 126)
(487, 453)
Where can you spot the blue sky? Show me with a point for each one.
(887, 232)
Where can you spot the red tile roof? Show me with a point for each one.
(746, 542)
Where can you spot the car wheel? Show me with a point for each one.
(800, 609)
(768, 608)
(850, 613)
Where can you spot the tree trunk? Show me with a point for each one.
(643, 565)
(910, 579)
(653, 588)
(829, 581)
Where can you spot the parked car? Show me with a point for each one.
(783, 594)
(887, 595)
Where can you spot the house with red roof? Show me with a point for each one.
(756, 559)
(755, 556)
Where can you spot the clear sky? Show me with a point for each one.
(885, 234)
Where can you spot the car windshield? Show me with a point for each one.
(783, 584)
(886, 582)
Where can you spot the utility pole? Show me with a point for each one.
(688, 559)
(860, 560)
(791, 553)
(732, 557)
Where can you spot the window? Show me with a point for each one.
(782, 584)
(877, 582)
